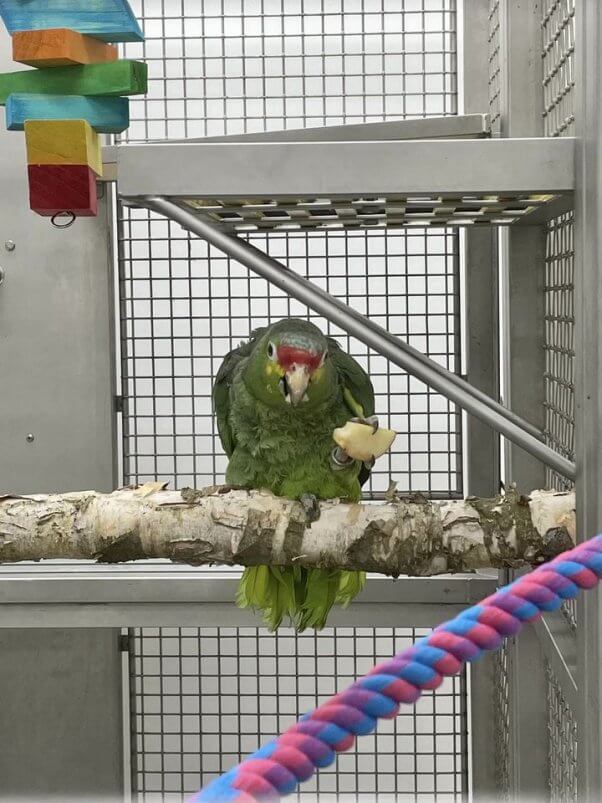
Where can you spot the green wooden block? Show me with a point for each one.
(112, 78)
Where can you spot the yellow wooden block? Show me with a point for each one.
(63, 142)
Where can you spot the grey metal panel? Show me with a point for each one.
(482, 727)
(56, 343)
(588, 335)
(61, 715)
(482, 351)
(61, 726)
(523, 100)
(334, 169)
(529, 718)
(526, 357)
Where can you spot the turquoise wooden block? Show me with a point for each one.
(105, 115)
(109, 20)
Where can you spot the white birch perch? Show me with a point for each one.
(222, 525)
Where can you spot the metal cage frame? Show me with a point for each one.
(539, 81)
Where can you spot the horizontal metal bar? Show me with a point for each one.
(446, 168)
(449, 384)
(163, 582)
(162, 594)
(459, 126)
(212, 614)
(559, 645)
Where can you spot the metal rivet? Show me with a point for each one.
(30, 437)
(10, 245)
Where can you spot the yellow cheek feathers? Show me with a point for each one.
(273, 368)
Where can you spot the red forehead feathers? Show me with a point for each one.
(289, 356)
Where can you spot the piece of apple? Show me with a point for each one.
(360, 442)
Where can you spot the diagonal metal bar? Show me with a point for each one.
(405, 356)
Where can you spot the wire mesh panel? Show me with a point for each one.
(184, 305)
(562, 726)
(495, 67)
(558, 55)
(558, 50)
(235, 66)
(559, 67)
(559, 343)
(502, 725)
(204, 698)
(232, 66)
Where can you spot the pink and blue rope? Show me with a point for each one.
(277, 768)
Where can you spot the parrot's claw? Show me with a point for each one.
(311, 506)
(370, 421)
(340, 459)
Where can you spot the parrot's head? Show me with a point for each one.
(289, 366)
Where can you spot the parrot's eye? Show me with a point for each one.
(271, 351)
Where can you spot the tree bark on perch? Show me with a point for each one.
(230, 526)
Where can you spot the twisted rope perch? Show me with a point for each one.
(278, 767)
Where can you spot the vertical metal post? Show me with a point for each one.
(523, 271)
(60, 728)
(481, 288)
(588, 335)
(525, 246)
(482, 371)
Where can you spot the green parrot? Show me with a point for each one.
(278, 399)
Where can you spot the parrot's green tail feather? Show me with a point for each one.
(305, 595)
(350, 585)
(269, 589)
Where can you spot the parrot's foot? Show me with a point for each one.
(340, 459)
(311, 506)
(371, 421)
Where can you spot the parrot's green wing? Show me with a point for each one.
(357, 389)
(221, 389)
(359, 394)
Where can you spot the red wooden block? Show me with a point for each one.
(62, 188)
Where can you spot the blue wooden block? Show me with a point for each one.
(105, 115)
(109, 20)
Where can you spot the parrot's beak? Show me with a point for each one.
(297, 380)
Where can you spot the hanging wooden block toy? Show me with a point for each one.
(74, 93)
(60, 47)
(108, 20)
(64, 158)
(104, 115)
